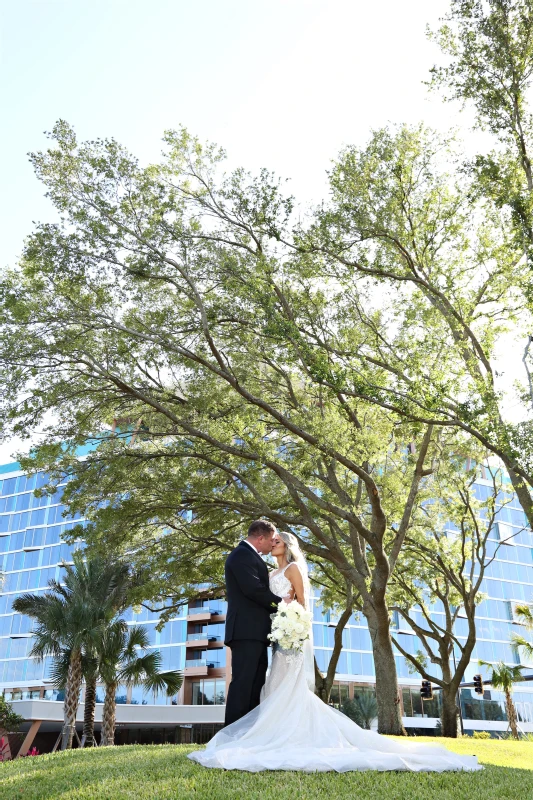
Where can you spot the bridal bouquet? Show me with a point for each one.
(291, 625)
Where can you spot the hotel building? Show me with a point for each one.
(32, 552)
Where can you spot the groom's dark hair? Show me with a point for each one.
(261, 527)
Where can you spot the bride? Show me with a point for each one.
(292, 729)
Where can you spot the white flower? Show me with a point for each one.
(291, 625)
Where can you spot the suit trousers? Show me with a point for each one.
(249, 663)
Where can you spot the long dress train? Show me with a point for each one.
(292, 729)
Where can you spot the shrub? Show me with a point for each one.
(481, 735)
(32, 752)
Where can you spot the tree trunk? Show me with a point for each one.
(88, 716)
(108, 716)
(72, 699)
(511, 714)
(449, 712)
(387, 691)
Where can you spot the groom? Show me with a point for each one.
(250, 604)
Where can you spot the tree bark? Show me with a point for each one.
(88, 716)
(511, 714)
(387, 690)
(449, 712)
(108, 716)
(72, 699)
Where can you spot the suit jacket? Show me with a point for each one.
(250, 601)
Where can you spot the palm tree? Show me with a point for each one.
(121, 663)
(89, 668)
(70, 620)
(503, 677)
(363, 709)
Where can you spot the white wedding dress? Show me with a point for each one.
(292, 729)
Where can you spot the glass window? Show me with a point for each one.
(48, 575)
(100, 694)
(356, 664)
(318, 635)
(360, 639)
(407, 707)
(39, 502)
(138, 696)
(368, 664)
(53, 534)
(165, 635)
(22, 502)
(27, 483)
(38, 517)
(55, 514)
(24, 580)
(121, 697)
(17, 541)
(8, 562)
(8, 486)
(34, 670)
(10, 582)
(196, 693)
(21, 624)
(172, 658)
(417, 703)
(4, 523)
(20, 647)
(322, 659)
(34, 579)
(18, 561)
(220, 692)
(342, 664)
(209, 693)
(5, 625)
(7, 504)
(20, 521)
(48, 556)
(32, 559)
(65, 552)
(15, 670)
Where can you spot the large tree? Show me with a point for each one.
(489, 50)
(432, 272)
(442, 568)
(166, 294)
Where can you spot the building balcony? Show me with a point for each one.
(199, 666)
(204, 641)
(202, 614)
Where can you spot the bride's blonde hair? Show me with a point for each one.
(292, 547)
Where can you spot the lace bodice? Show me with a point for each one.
(279, 584)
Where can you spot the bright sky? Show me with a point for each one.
(278, 83)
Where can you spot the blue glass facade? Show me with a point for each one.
(31, 553)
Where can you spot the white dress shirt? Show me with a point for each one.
(252, 546)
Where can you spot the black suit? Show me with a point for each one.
(250, 604)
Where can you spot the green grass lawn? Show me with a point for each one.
(164, 773)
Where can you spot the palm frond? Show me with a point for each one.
(168, 682)
(135, 670)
